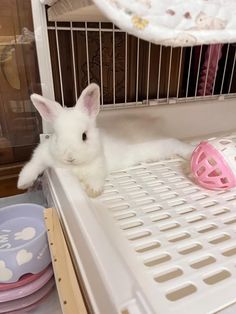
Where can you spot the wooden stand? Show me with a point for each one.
(68, 288)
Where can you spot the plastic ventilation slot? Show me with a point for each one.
(156, 183)
(109, 193)
(125, 216)
(168, 275)
(160, 189)
(123, 179)
(181, 292)
(176, 203)
(133, 189)
(203, 262)
(231, 198)
(219, 238)
(145, 201)
(195, 219)
(168, 196)
(139, 235)
(131, 225)
(190, 248)
(190, 191)
(207, 228)
(217, 277)
(119, 207)
(183, 184)
(151, 209)
(108, 187)
(168, 224)
(210, 204)
(220, 211)
(128, 183)
(157, 260)
(148, 247)
(113, 200)
(186, 210)
(230, 252)
(199, 197)
(161, 217)
(149, 179)
(138, 194)
(179, 237)
(230, 221)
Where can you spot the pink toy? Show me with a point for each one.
(213, 164)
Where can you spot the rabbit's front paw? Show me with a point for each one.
(26, 178)
(91, 192)
(24, 182)
(93, 188)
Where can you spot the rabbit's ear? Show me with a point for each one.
(48, 109)
(89, 100)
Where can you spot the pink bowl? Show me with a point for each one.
(210, 169)
(24, 280)
(23, 305)
(20, 292)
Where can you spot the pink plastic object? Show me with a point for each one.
(20, 292)
(211, 164)
(26, 304)
(24, 280)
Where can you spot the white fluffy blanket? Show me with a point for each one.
(174, 22)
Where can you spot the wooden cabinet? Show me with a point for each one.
(20, 125)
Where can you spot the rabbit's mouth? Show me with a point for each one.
(70, 161)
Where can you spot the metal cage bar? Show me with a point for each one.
(87, 51)
(137, 71)
(114, 65)
(232, 73)
(216, 70)
(159, 74)
(226, 61)
(169, 73)
(207, 71)
(59, 65)
(179, 71)
(73, 61)
(198, 71)
(188, 78)
(101, 64)
(189, 69)
(126, 65)
(148, 70)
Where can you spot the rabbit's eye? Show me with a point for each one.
(84, 136)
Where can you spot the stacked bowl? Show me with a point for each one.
(26, 274)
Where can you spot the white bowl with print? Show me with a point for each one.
(23, 241)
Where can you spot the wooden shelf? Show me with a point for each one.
(70, 295)
(75, 10)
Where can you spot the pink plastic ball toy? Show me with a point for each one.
(213, 164)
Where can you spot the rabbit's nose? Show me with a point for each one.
(70, 159)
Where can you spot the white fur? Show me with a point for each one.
(65, 148)
(120, 155)
(100, 154)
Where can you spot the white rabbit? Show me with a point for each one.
(75, 143)
(78, 145)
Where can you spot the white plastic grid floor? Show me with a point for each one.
(177, 238)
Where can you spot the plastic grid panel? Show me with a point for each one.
(181, 235)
